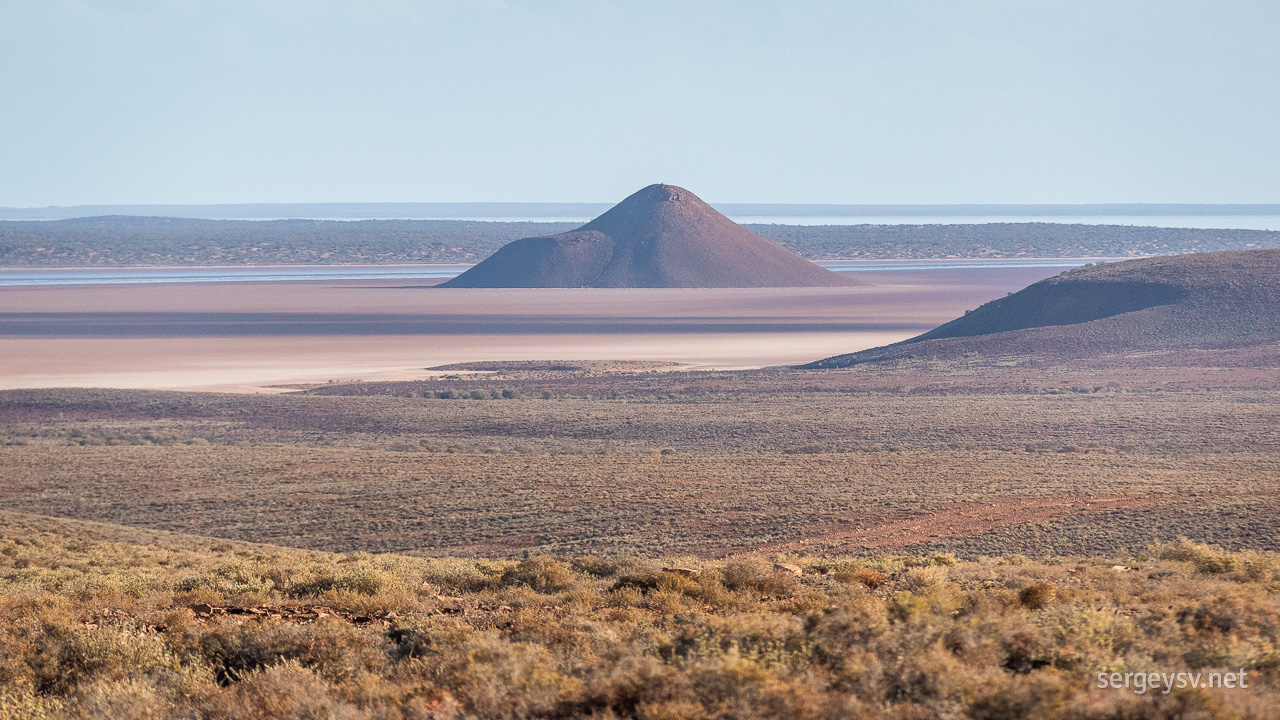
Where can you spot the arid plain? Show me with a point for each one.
(381, 361)
(583, 510)
(396, 416)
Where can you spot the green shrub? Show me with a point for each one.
(541, 573)
(22, 704)
(230, 580)
(924, 579)
(361, 580)
(494, 678)
(332, 648)
(758, 576)
(286, 691)
(1207, 558)
(113, 653)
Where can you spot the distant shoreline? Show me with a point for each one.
(46, 277)
(123, 242)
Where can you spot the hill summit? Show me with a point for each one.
(660, 237)
(1171, 307)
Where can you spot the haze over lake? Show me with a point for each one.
(1238, 217)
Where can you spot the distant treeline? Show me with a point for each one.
(131, 241)
(134, 241)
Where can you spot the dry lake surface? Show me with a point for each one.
(254, 336)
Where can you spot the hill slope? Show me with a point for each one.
(1205, 301)
(661, 236)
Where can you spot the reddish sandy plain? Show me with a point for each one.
(259, 336)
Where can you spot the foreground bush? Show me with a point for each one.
(160, 626)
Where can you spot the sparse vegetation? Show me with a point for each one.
(942, 539)
(134, 241)
(142, 241)
(104, 621)
(958, 457)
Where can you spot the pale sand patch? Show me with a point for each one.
(247, 337)
(255, 364)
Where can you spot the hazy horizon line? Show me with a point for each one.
(478, 209)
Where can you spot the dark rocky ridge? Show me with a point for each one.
(1207, 301)
(660, 237)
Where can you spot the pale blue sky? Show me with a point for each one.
(841, 102)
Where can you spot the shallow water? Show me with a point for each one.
(1225, 222)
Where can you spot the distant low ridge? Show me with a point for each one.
(660, 237)
(1136, 308)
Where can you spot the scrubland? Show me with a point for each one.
(104, 621)
(485, 501)
(928, 540)
(575, 459)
